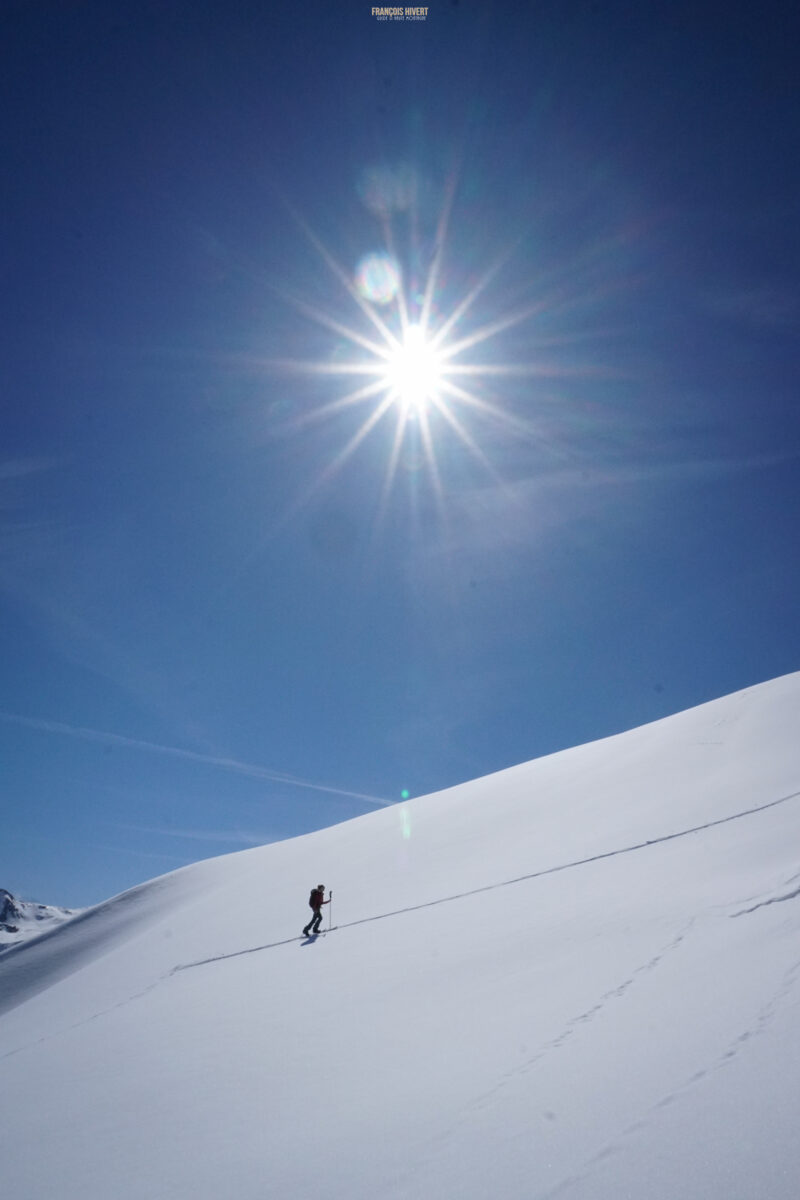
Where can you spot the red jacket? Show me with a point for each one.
(316, 899)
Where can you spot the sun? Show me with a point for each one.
(411, 361)
(414, 372)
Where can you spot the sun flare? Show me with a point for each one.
(412, 362)
(414, 372)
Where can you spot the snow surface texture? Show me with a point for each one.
(577, 978)
(21, 920)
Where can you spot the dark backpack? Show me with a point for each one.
(316, 898)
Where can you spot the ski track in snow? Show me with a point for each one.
(763, 1020)
(56, 1033)
(764, 903)
(572, 1026)
(489, 887)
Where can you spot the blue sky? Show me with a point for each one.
(236, 605)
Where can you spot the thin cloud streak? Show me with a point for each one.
(236, 837)
(591, 475)
(175, 862)
(251, 770)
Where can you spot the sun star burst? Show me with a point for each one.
(414, 361)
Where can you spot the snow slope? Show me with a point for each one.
(579, 978)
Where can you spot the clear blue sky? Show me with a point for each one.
(593, 526)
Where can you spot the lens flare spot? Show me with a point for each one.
(404, 818)
(378, 278)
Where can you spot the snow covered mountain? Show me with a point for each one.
(579, 977)
(21, 920)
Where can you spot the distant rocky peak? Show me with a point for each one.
(21, 920)
(9, 912)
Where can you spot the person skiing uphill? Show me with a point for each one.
(316, 901)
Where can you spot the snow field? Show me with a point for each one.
(621, 1026)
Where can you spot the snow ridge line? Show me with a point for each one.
(489, 887)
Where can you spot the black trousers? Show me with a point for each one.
(315, 921)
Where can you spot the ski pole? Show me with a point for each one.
(330, 910)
